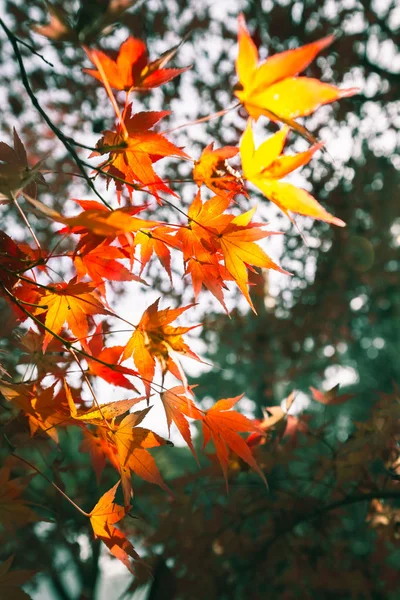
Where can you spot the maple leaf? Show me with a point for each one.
(13, 260)
(59, 28)
(155, 242)
(102, 412)
(96, 223)
(55, 359)
(70, 303)
(26, 293)
(99, 449)
(205, 220)
(112, 372)
(14, 511)
(38, 405)
(131, 158)
(124, 444)
(239, 250)
(15, 174)
(131, 69)
(331, 397)
(222, 425)
(212, 236)
(103, 518)
(131, 443)
(101, 263)
(10, 581)
(273, 89)
(154, 338)
(273, 416)
(214, 171)
(265, 166)
(212, 275)
(198, 245)
(177, 407)
(92, 21)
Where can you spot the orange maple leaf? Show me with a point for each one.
(131, 69)
(210, 274)
(105, 224)
(201, 257)
(101, 263)
(212, 236)
(131, 443)
(99, 413)
(131, 158)
(214, 171)
(43, 411)
(70, 303)
(103, 517)
(279, 419)
(155, 242)
(154, 338)
(239, 250)
(266, 166)
(99, 449)
(222, 425)
(205, 220)
(111, 372)
(97, 225)
(273, 89)
(55, 359)
(124, 444)
(177, 407)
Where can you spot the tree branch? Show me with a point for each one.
(57, 132)
(352, 499)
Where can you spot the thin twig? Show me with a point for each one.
(86, 378)
(215, 115)
(24, 218)
(352, 499)
(93, 57)
(85, 514)
(32, 49)
(67, 343)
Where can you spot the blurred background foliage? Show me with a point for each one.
(335, 321)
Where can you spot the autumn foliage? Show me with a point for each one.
(215, 239)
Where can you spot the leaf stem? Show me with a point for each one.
(93, 57)
(85, 514)
(24, 218)
(215, 115)
(86, 378)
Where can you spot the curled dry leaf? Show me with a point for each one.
(331, 397)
